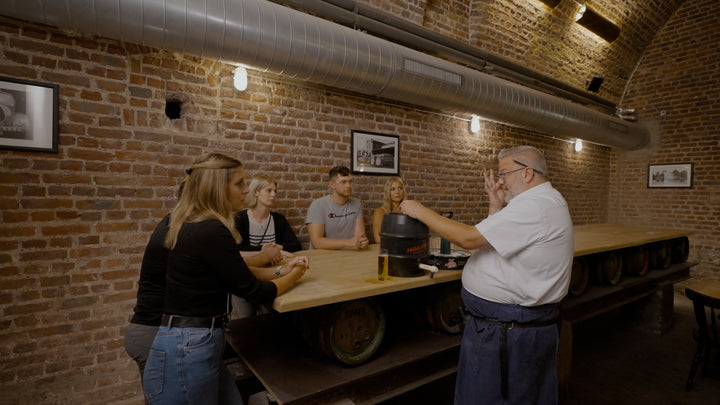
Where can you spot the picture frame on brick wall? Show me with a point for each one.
(374, 153)
(28, 115)
(675, 175)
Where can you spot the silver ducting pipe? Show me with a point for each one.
(360, 16)
(270, 37)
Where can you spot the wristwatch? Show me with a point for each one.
(277, 270)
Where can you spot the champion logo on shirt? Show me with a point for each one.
(331, 215)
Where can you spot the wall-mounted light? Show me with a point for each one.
(580, 12)
(596, 23)
(240, 78)
(551, 3)
(578, 145)
(475, 124)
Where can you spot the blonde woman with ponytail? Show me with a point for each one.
(205, 266)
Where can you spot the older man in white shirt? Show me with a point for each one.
(512, 284)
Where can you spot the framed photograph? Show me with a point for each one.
(28, 115)
(373, 153)
(676, 175)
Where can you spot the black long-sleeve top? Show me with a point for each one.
(284, 234)
(204, 267)
(151, 287)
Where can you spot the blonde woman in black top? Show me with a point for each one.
(204, 266)
(393, 195)
(258, 225)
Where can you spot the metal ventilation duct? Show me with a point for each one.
(273, 38)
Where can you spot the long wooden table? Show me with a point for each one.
(343, 275)
(604, 237)
(295, 374)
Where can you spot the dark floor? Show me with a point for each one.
(618, 360)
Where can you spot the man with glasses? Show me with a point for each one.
(512, 284)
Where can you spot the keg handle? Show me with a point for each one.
(431, 269)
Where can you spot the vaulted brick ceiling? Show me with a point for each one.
(546, 39)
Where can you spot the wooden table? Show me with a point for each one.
(709, 288)
(295, 374)
(604, 237)
(343, 275)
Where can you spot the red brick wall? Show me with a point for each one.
(678, 88)
(74, 224)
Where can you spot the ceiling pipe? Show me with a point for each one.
(277, 39)
(351, 13)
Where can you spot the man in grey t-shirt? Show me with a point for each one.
(335, 221)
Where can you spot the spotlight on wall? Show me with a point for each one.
(578, 145)
(240, 78)
(475, 124)
(551, 3)
(597, 24)
(580, 12)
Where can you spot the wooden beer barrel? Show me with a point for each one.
(679, 250)
(579, 276)
(350, 332)
(636, 260)
(442, 309)
(607, 267)
(660, 254)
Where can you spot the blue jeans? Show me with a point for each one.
(186, 366)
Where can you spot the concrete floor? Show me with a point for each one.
(618, 360)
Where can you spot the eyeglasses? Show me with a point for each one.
(524, 166)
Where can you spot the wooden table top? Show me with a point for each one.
(603, 237)
(343, 275)
(709, 288)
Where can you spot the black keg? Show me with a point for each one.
(406, 243)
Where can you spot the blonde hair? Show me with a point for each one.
(258, 182)
(205, 196)
(387, 201)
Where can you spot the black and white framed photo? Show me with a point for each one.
(374, 153)
(676, 175)
(28, 115)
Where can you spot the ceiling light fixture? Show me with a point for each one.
(578, 145)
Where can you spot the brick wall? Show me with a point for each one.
(678, 89)
(74, 224)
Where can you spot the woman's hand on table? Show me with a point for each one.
(298, 266)
(273, 251)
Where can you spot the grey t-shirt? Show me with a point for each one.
(339, 220)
